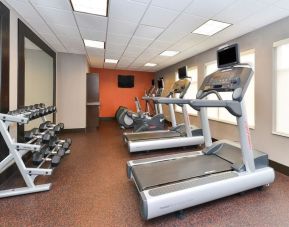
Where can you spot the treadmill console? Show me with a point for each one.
(180, 87)
(235, 79)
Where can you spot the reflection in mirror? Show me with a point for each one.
(38, 79)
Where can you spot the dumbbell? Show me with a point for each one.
(38, 156)
(34, 133)
(48, 125)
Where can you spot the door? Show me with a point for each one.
(92, 100)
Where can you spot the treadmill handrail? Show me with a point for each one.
(232, 106)
(163, 100)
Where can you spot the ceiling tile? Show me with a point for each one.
(52, 40)
(148, 32)
(268, 1)
(38, 25)
(130, 54)
(179, 5)
(171, 37)
(92, 34)
(136, 49)
(56, 16)
(57, 4)
(89, 21)
(158, 17)
(188, 41)
(72, 43)
(25, 9)
(65, 30)
(186, 23)
(266, 16)
(160, 45)
(239, 11)
(93, 52)
(117, 39)
(142, 1)
(121, 28)
(208, 8)
(125, 10)
(115, 47)
(284, 4)
(137, 41)
(113, 55)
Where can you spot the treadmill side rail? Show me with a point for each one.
(137, 146)
(154, 206)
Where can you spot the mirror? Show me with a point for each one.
(36, 74)
(38, 79)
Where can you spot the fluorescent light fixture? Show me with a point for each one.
(94, 44)
(211, 27)
(111, 61)
(169, 53)
(150, 64)
(98, 7)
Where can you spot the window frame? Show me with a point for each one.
(274, 88)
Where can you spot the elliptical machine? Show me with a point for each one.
(143, 121)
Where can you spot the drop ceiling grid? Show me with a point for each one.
(134, 35)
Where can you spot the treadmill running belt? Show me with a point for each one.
(151, 135)
(165, 172)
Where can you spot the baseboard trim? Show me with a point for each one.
(279, 167)
(73, 130)
(107, 118)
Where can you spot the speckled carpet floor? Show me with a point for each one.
(90, 188)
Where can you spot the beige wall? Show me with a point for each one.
(261, 40)
(71, 90)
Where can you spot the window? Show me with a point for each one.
(192, 91)
(213, 113)
(281, 123)
(221, 114)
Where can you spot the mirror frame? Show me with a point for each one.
(4, 77)
(25, 32)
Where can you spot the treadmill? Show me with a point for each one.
(177, 136)
(174, 182)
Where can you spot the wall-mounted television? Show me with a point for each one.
(125, 81)
(228, 56)
(182, 72)
(161, 83)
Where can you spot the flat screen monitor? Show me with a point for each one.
(125, 81)
(182, 72)
(228, 56)
(160, 83)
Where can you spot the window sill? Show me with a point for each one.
(280, 134)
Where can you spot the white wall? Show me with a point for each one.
(71, 90)
(262, 41)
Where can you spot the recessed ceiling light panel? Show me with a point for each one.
(98, 7)
(150, 64)
(111, 61)
(211, 27)
(94, 44)
(169, 53)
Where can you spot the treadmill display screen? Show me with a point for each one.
(228, 56)
(182, 72)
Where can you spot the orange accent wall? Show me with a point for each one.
(111, 97)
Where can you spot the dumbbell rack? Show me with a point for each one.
(16, 152)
